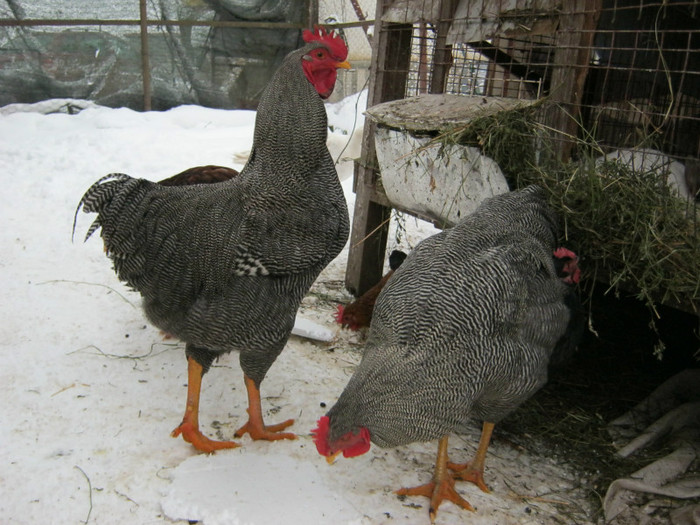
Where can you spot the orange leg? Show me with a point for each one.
(441, 487)
(189, 428)
(474, 470)
(255, 426)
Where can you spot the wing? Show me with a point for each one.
(284, 235)
(203, 236)
(446, 289)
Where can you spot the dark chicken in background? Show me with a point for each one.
(464, 329)
(358, 314)
(225, 266)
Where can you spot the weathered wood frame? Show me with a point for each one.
(388, 75)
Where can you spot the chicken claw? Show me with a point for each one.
(467, 472)
(192, 435)
(473, 471)
(189, 428)
(437, 491)
(442, 487)
(255, 426)
(269, 433)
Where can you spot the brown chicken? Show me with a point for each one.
(358, 314)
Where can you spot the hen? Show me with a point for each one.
(224, 266)
(358, 314)
(464, 329)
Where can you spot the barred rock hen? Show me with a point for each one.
(224, 266)
(464, 329)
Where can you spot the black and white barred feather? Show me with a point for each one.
(224, 266)
(99, 194)
(463, 329)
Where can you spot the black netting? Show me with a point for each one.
(210, 65)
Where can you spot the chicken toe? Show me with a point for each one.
(192, 435)
(255, 426)
(473, 471)
(189, 428)
(442, 486)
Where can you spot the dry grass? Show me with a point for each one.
(632, 234)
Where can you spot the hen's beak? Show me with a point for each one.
(344, 64)
(330, 459)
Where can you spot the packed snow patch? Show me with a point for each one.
(226, 488)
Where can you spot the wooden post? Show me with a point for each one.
(311, 13)
(388, 73)
(442, 56)
(571, 59)
(145, 62)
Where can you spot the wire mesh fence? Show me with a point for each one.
(625, 70)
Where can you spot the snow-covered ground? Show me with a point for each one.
(91, 391)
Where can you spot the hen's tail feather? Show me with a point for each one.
(95, 198)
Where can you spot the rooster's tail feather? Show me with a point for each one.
(97, 196)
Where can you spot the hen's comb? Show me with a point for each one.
(330, 39)
(564, 253)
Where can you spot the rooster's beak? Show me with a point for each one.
(344, 64)
(330, 459)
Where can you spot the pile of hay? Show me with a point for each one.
(629, 229)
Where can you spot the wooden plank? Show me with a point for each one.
(145, 59)
(442, 56)
(388, 74)
(571, 60)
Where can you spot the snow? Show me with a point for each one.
(91, 391)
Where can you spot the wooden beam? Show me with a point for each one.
(145, 60)
(571, 62)
(442, 56)
(388, 74)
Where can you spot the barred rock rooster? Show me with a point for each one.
(358, 314)
(464, 329)
(225, 266)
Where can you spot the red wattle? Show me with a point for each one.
(360, 447)
(320, 436)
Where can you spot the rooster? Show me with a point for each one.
(464, 329)
(225, 266)
(358, 314)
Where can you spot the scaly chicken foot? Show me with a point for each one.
(442, 486)
(192, 435)
(189, 428)
(255, 426)
(473, 471)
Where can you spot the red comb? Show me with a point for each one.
(320, 435)
(571, 270)
(564, 253)
(328, 38)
